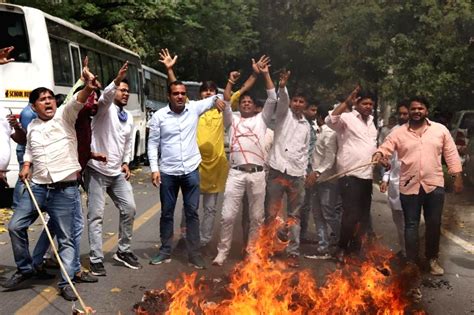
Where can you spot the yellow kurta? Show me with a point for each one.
(210, 138)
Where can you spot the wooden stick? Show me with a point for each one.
(344, 173)
(55, 250)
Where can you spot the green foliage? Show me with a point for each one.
(398, 48)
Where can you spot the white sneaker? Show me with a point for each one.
(219, 260)
(435, 268)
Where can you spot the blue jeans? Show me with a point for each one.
(121, 192)
(432, 204)
(326, 218)
(61, 205)
(169, 188)
(42, 245)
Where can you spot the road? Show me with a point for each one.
(122, 287)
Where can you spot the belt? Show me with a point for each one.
(249, 169)
(60, 185)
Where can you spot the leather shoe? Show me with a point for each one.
(16, 279)
(84, 277)
(67, 293)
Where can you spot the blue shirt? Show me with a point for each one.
(26, 116)
(174, 135)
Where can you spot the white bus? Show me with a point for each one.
(49, 52)
(156, 86)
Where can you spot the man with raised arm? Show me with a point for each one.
(353, 123)
(247, 159)
(51, 153)
(112, 133)
(173, 132)
(288, 163)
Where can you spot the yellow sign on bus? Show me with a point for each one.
(17, 94)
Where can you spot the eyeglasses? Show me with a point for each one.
(124, 91)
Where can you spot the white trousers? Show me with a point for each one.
(237, 183)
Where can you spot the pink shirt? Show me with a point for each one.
(420, 157)
(356, 142)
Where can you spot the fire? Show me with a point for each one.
(264, 285)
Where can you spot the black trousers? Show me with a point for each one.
(356, 194)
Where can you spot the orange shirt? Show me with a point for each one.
(420, 156)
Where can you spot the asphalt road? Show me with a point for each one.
(122, 287)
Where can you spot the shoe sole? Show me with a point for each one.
(317, 257)
(196, 267)
(98, 274)
(117, 258)
(215, 263)
(165, 261)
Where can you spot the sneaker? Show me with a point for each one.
(218, 261)
(435, 268)
(160, 259)
(293, 261)
(67, 293)
(322, 255)
(97, 269)
(84, 277)
(128, 259)
(197, 262)
(16, 279)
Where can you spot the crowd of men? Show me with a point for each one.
(320, 158)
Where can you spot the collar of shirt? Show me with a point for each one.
(169, 111)
(358, 115)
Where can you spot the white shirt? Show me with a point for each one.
(247, 143)
(110, 135)
(392, 176)
(175, 136)
(52, 145)
(356, 141)
(291, 139)
(324, 153)
(5, 133)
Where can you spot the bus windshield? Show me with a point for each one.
(13, 33)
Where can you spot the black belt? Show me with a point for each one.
(249, 169)
(60, 185)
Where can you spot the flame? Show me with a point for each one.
(263, 285)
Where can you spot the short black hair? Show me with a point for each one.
(323, 112)
(300, 93)
(420, 99)
(35, 94)
(124, 80)
(246, 94)
(364, 94)
(208, 85)
(174, 83)
(403, 103)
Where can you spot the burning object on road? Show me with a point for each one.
(263, 285)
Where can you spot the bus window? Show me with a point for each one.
(13, 33)
(132, 77)
(107, 69)
(94, 64)
(61, 62)
(76, 62)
